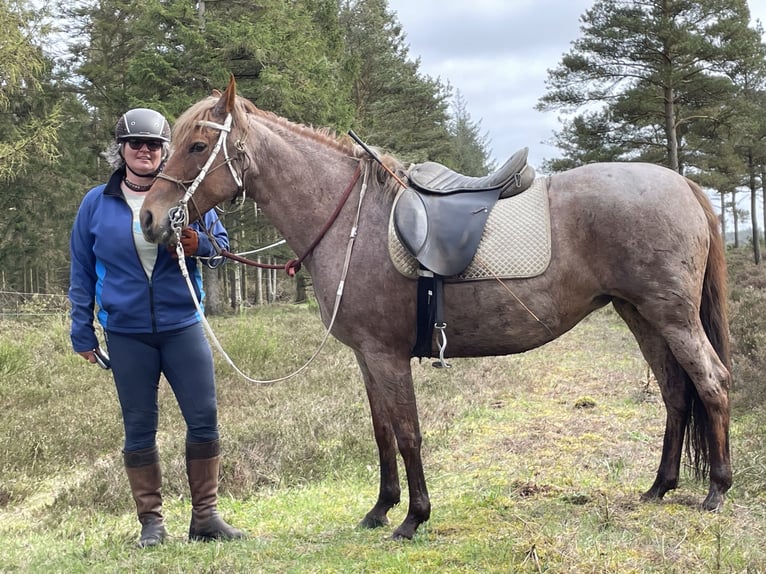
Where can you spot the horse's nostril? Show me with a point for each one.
(146, 219)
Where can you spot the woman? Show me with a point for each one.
(151, 324)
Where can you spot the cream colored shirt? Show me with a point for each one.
(147, 252)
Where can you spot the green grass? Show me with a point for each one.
(535, 463)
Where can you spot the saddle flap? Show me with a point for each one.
(411, 221)
(442, 233)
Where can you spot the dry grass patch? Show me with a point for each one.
(535, 463)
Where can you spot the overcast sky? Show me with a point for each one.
(497, 53)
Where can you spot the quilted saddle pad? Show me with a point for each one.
(516, 242)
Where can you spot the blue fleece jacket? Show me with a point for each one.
(106, 272)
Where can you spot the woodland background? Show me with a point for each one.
(521, 477)
(672, 82)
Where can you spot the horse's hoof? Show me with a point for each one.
(650, 496)
(370, 522)
(713, 503)
(658, 491)
(399, 534)
(406, 530)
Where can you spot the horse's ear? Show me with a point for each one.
(225, 104)
(216, 93)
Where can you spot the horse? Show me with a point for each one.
(639, 236)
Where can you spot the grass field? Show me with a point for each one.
(535, 463)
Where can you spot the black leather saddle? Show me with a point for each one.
(440, 217)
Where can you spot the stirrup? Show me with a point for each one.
(441, 363)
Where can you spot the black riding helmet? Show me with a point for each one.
(142, 123)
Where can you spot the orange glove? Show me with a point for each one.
(189, 241)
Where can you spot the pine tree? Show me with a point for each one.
(26, 129)
(287, 57)
(731, 150)
(396, 107)
(469, 145)
(649, 69)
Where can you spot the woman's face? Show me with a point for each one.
(143, 156)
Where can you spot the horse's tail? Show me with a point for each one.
(715, 321)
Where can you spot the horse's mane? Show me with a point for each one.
(187, 123)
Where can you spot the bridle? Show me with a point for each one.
(179, 217)
(179, 214)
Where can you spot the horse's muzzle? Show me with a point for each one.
(155, 231)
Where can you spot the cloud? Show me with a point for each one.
(497, 54)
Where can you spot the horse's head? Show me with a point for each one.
(204, 168)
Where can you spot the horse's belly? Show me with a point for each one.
(486, 319)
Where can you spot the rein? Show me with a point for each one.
(179, 217)
(294, 265)
(338, 293)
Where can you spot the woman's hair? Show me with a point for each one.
(113, 155)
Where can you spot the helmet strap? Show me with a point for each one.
(151, 174)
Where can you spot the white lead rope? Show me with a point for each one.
(338, 295)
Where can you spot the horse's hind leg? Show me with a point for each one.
(673, 384)
(696, 355)
(680, 326)
(394, 414)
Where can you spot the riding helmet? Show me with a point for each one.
(142, 123)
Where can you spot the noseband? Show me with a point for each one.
(179, 215)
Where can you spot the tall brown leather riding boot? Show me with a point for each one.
(202, 463)
(145, 478)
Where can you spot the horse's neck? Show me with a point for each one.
(300, 191)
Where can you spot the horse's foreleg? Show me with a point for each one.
(672, 383)
(420, 505)
(392, 402)
(389, 492)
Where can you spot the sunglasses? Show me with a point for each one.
(151, 145)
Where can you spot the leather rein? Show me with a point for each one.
(294, 265)
(179, 215)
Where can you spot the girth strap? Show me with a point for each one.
(426, 315)
(430, 315)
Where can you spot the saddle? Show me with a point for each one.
(440, 217)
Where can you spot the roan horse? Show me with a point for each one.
(639, 236)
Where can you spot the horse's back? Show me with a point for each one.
(628, 231)
(627, 203)
(630, 183)
(633, 226)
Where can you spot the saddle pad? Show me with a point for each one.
(516, 241)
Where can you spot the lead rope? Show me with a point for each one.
(336, 306)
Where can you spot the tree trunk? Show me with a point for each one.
(270, 294)
(670, 129)
(754, 218)
(722, 197)
(300, 288)
(260, 283)
(212, 286)
(763, 194)
(236, 289)
(735, 215)
(201, 14)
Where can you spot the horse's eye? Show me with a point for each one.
(197, 147)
